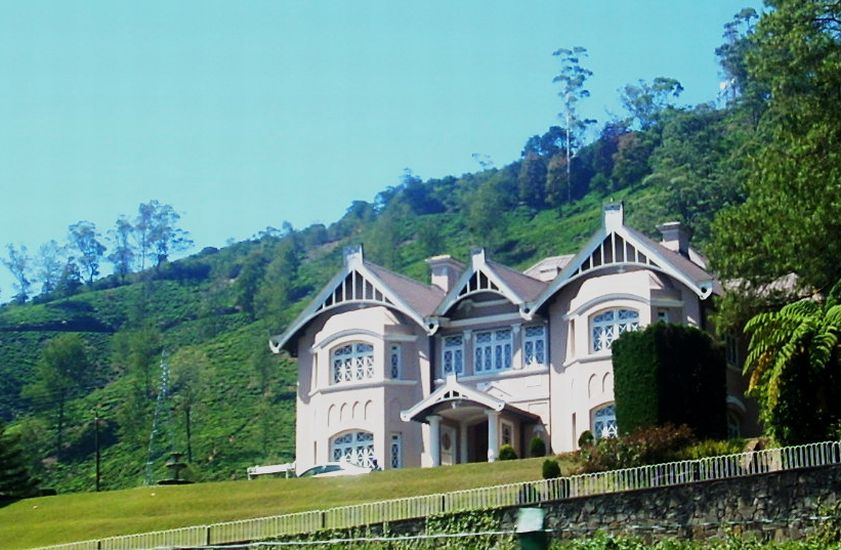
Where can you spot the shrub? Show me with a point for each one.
(644, 446)
(710, 447)
(551, 469)
(537, 447)
(507, 452)
(670, 374)
(586, 439)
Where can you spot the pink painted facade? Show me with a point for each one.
(401, 373)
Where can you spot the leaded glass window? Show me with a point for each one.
(534, 345)
(394, 362)
(396, 451)
(452, 355)
(354, 447)
(507, 433)
(353, 362)
(492, 350)
(608, 325)
(604, 422)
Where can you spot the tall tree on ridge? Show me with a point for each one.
(17, 262)
(166, 236)
(644, 101)
(50, 262)
(84, 236)
(572, 79)
(122, 255)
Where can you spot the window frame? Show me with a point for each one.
(456, 360)
(499, 350)
(612, 431)
(357, 365)
(534, 341)
(615, 325)
(395, 450)
(395, 361)
(359, 451)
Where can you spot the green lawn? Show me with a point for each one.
(82, 516)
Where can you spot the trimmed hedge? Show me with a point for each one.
(670, 374)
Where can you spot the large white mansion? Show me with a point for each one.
(410, 374)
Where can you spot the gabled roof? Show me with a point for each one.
(486, 276)
(361, 282)
(615, 244)
(548, 268)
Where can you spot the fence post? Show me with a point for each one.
(207, 540)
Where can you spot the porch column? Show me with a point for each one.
(493, 436)
(462, 444)
(435, 439)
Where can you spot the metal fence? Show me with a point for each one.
(483, 498)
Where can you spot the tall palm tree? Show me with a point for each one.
(794, 365)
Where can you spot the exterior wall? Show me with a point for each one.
(582, 379)
(325, 410)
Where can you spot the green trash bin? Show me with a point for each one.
(530, 531)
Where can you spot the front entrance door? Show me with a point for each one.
(448, 445)
(477, 436)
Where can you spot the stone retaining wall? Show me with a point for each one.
(783, 506)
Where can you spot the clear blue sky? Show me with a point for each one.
(245, 114)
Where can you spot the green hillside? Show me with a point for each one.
(211, 314)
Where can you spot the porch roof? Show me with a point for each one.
(455, 393)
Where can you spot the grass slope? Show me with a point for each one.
(75, 517)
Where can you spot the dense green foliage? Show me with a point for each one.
(794, 363)
(649, 445)
(670, 374)
(550, 469)
(790, 67)
(507, 452)
(537, 447)
(15, 479)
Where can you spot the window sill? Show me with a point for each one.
(363, 385)
(594, 358)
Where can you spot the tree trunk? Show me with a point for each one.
(189, 443)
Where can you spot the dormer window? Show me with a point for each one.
(352, 362)
(608, 325)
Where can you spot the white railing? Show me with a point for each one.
(483, 498)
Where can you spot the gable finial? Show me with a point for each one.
(353, 255)
(613, 215)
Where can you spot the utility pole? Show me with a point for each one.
(96, 444)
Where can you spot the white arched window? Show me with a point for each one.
(606, 326)
(604, 422)
(351, 362)
(355, 447)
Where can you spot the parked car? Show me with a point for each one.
(335, 469)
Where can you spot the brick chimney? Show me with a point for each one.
(445, 271)
(674, 237)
